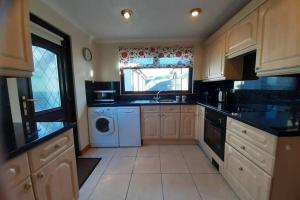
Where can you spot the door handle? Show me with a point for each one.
(31, 100)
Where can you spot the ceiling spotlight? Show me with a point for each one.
(126, 13)
(195, 12)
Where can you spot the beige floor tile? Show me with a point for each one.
(191, 151)
(179, 187)
(145, 187)
(147, 165)
(199, 164)
(123, 152)
(120, 165)
(148, 151)
(173, 164)
(169, 150)
(213, 187)
(111, 187)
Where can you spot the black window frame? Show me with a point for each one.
(189, 91)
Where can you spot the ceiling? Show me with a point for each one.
(151, 20)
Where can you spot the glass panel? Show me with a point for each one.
(156, 79)
(45, 81)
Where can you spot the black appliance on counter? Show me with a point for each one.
(215, 131)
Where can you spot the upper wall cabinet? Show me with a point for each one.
(216, 66)
(278, 46)
(241, 38)
(15, 40)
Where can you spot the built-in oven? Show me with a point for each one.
(215, 131)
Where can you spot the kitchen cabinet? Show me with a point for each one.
(15, 40)
(248, 181)
(200, 124)
(187, 125)
(216, 66)
(58, 179)
(150, 125)
(278, 44)
(23, 190)
(170, 125)
(241, 38)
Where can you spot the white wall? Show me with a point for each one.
(81, 68)
(106, 63)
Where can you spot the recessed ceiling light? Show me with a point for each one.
(126, 13)
(195, 12)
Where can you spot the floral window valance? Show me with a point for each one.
(156, 57)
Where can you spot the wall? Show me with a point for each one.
(81, 68)
(106, 63)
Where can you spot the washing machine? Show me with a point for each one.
(103, 127)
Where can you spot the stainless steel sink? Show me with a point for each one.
(167, 101)
(143, 101)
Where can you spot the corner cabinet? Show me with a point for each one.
(241, 38)
(278, 46)
(15, 39)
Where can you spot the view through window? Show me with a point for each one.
(156, 69)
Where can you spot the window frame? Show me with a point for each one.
(189, 91)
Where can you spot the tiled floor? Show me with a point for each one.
(154, 173)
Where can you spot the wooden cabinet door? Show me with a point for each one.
(170, 125)
(205, 70)
(278, 45)
(21, 191)
(15, 40)
(241, 38)
(217, 58)
(150, 123)
(187, 125)
(58, 179)
(248, 181)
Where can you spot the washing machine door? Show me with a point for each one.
(104, 125)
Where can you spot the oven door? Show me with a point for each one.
(214, 137)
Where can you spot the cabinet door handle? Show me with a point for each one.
(244, 131)
(27, 186)
(241, 169)
(57, 146)
(243, 147)
(12, 171)
(40, 175)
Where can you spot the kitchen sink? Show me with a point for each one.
(167, 101)
(143, 101)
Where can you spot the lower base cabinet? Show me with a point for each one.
(170, 125)
(24, 190)
(187, 125)
(58, 179)
(247, 180)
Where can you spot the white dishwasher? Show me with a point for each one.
(129, 126)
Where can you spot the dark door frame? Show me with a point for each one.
(67, 72)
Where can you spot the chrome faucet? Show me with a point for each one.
(157, 97)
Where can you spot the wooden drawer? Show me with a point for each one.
(150, 108)
(253, 153)
(22, 191)
(248, 181)
(188, 108)
(15, 170)
(171, 109)
(259, 138)
(46, 152)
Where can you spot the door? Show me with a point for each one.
(170, 125)
(150, 123)
(187, 126)
(58, 179)
(278, 46)
(41, 95)
(21, 191)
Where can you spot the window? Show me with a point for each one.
(150, 70)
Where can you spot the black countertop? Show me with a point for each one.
(279, 120)
(17, 143)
